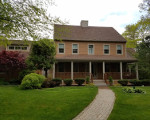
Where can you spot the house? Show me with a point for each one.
(98, 52)
(81, 51)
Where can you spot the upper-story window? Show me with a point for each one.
(17, 47)
(119, 49)
(90, 49)
(106, 49)
(74, 48)
(61, 48)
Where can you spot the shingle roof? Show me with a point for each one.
(129, 57)
(90, 33)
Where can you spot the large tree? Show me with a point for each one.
(143, 56)
(42, 55)
(26, 19)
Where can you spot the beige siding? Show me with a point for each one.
(83, 48)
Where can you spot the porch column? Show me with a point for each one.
(54, 70)
(121, 70)
(72, 70)
(137, 73)
(103, 69)
(90, 71)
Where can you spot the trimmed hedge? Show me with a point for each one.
(57, 81)
(68, 82)
(32, 81)
(79, 81)
(145, 82)
(123, 82)
(48, 84)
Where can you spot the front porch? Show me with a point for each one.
(95, 70)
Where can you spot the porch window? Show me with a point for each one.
(90, 49)
(75, 48)
(119, 49)
(61, 48)
(106, 49)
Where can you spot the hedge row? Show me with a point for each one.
(145, 82)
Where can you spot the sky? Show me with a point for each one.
(106, 13)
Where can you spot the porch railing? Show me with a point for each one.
(63, 75)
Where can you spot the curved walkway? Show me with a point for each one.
(101, 106)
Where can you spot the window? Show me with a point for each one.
(119, 49)
(61, 48)
(106, 49)
(91, 49)
(17, 47)
(75, 48)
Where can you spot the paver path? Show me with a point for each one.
(101, 106)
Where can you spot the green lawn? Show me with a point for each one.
(131, 106)
(60, 103)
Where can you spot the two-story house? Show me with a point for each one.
(92, 51)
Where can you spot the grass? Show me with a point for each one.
(131, 106)
(60, 103)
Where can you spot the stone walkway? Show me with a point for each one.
(101, 106)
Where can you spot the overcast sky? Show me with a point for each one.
(112, 13)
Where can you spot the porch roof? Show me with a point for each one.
(95, 58)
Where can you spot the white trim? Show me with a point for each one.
(103, 69)
(121, 71)
(93, 49)
(78, 48)
(72, 70)
(103, 49)
(58, 48)
(121, 51)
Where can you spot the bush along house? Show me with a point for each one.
(97, 52)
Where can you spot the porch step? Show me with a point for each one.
(99, 83)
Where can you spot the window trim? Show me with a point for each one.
(93, 49)
(78, 48)
(122, 49)
(58, 48)
(104, 51)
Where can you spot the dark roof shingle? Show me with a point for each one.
(90, 33)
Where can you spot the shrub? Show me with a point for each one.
(87, 80)
(22, 74)
(57, 81)
(136, 82)
(131, 90)
(110, 80)
(145, 82)
(123, 82)
(32, 81)
(79, 81)
(3, 82)
(48, 83)
(68, 82)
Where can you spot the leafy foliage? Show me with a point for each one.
(42, 55)
(11, 61)
(57, 81)
(32, 81)
(132, 90)
(79, 81)
(26, 19)
(68, 82)
(123, 82)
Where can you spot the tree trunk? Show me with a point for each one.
(45, 72)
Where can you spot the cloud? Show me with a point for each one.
(114, 13)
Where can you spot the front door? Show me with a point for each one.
(95, 70)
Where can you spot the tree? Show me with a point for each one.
(143, 56)
(11, 61)
(42, 55)
(26, 19)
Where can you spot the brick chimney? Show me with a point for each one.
(84, 23)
